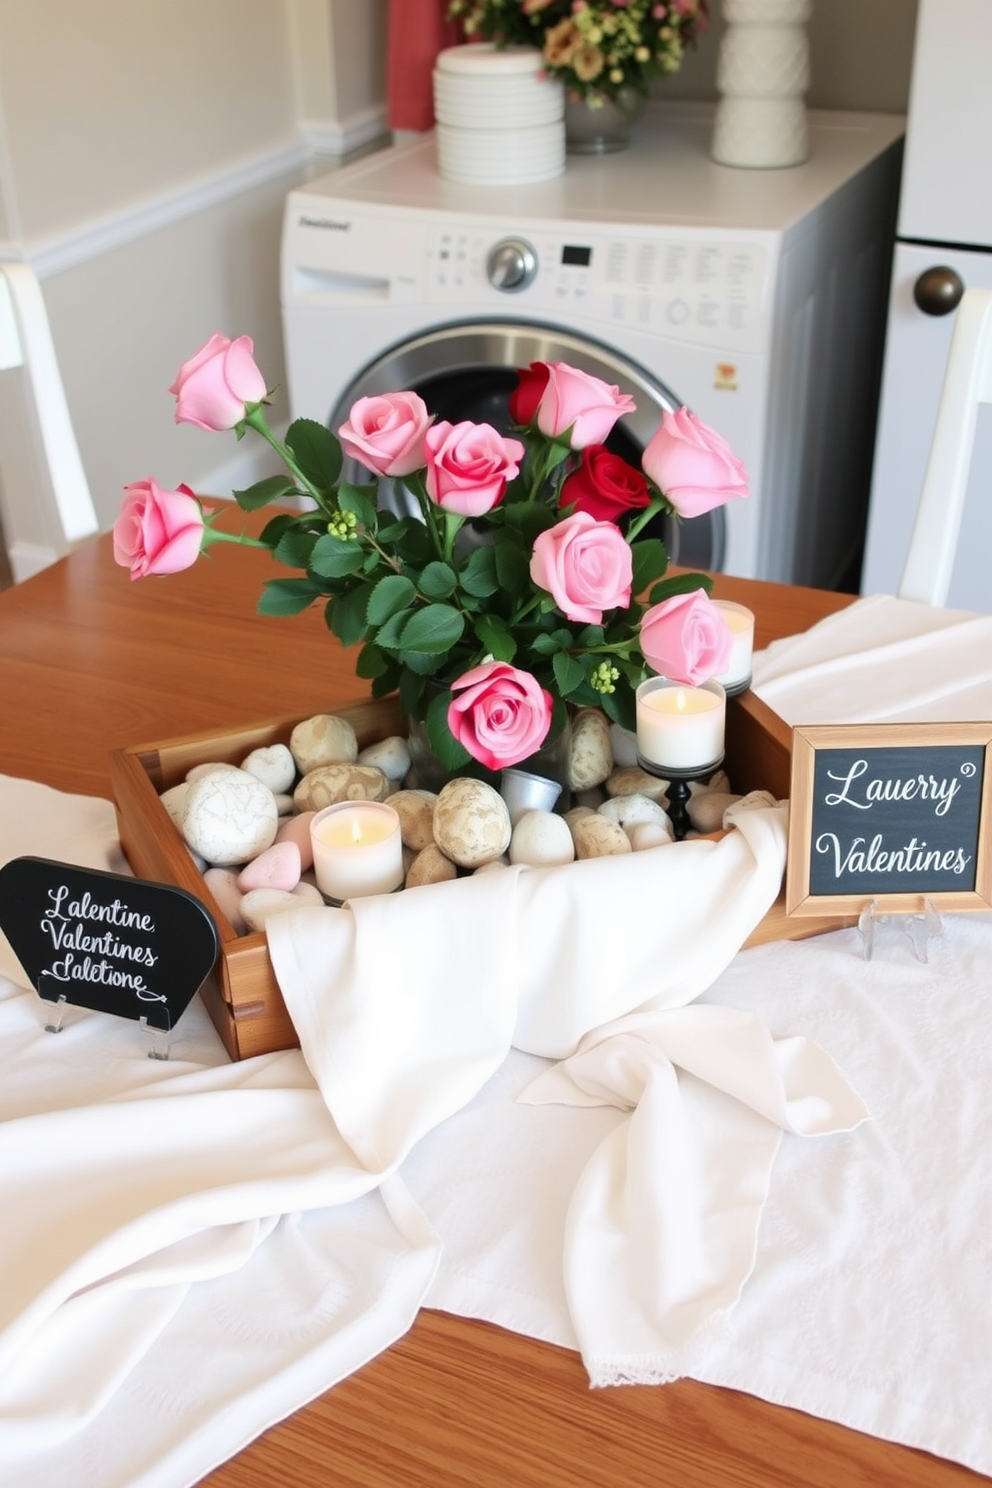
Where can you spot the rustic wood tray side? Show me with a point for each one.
(242, 996)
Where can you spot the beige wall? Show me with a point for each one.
(145, 152)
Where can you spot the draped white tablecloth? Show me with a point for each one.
(231, 1222)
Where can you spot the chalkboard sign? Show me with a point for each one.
(105, 941)
(895, 813)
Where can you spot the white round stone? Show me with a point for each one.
(260, 905)
(645, 834)
(197, 772)
(274, 766)
(471, 822)
(229, 817)
(173, 800)
(623, 742)
(391, 756)
(626, 810)
(541, 840)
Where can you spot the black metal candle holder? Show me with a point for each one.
(678, 789)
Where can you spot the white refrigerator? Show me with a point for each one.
(943, 244)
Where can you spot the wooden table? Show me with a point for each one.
(90, 662)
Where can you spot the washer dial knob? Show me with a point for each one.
(511, 265)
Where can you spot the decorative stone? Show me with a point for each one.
(706, 810)
(590, 755)
(490, 867)
(174, 799)
(273, 765)
(229, 817)
(391, 756)
(261, 904)
(645, 834)
(626, 810)
(633, 781)
(324, 739)
(279, 867)
(430, 866)
(623, 743)
(471, 822)
(595, 837)
(297, 829)
(576, 813)
(719, 781)
(223, 884)
(593, 798)
(328, 784)
(285, 805)
(197, 772)
(541, 840)
(307, 893)
(415, 809)
(755, 800)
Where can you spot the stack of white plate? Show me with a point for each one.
(499, 119)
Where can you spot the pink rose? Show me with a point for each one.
(586, 565)
(686, 638)
(213, 387)
(499, 714)
(694, 467)
(157, 532)
(468, 466)
(577, 402)
(387, 433)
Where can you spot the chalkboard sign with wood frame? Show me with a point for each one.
(893, 813)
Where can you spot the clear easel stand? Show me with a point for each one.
(54, 1013)
(159, 1039)
(922, 927)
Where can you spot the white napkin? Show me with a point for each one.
(881, 660)
(663, 1226)
(407, 1004)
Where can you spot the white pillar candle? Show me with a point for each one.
(680, 728)
(357, 849)
(740, 621)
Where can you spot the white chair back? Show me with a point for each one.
(26, 342)
(967, 383)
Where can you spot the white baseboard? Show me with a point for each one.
(27, 559)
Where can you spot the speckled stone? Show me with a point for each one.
(229, 817)
(430, 866)
(626, 810)
(415, 809)
(324, 739)
(590, 758)
(471, 822)
(595, 837)
(633, 781)
(329, 784)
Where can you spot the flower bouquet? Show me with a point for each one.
(527, 584)
(596, 48)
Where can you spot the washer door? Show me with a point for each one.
(468, 371)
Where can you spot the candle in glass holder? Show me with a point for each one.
(740, 621)
(357, 849)
(678, 727)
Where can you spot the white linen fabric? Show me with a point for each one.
(881, 660)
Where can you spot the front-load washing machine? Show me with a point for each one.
(757, 298)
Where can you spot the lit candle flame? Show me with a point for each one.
(356, 832)
(680, 699)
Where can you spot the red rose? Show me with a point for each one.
(604, 486)
(531, 382)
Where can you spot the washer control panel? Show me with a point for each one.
(709, 292)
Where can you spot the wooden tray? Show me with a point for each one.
(242, 995)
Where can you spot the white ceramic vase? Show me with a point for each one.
(762, 77)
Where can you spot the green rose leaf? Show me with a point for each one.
(335, 558)
(264, 491)
(680, 584)
(434, 629)
(452, 755)
(274, 529)
(512, 566)
(295, 547)
(390, 595)
(495, 637)
(316, 451)
(569, 674)
(650, 562)
(345, 615)
(388, 635)
(478, 573)
(438, 581)
(421, 663)
(372, 663)
(287, 596)
(361, 501)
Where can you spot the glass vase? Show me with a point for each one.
(598, 125)
(550, 762)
